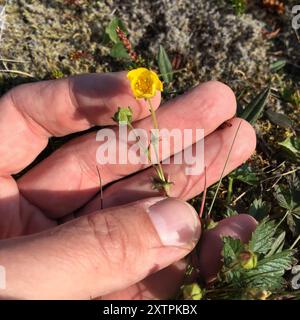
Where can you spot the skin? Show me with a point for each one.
(50, 217)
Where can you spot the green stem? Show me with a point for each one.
(153, 115)
(141, 146)
(295, 242)
(230, 189)
(159, 168)
(283, 218)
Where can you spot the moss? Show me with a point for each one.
(214, 43)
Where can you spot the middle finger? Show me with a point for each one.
(68, 178)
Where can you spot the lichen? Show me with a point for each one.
(215, 43)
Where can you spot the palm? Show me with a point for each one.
(65, 184)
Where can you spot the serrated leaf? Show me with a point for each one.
(244, 173)
(265, 282)
(277, 65)
(291, 145)
(279, 119)
(288, 198)
(230, 212)
(263, 236)
(277, 263)
(295, 181)
(274, 265)
(259, 209)
(282, 197)
(234, 277)
(277, 245)
(111, 29)
(165, 66)
(231, 249)
(255, 108)
(268, 273)
(118, 51)
(293, 222)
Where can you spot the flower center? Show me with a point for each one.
(144, 84)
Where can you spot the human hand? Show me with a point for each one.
(116, 252)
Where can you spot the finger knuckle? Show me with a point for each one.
(110, 237)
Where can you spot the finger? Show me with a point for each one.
(18, 216)
(68, 178)
(139, 186)
(165, 284)
(100, 253)
(31, 113)
(216, 147)
(162, 285)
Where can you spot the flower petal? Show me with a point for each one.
(135, 73)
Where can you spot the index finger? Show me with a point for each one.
(31, 113)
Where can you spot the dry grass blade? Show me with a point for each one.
(17, 72)
(101, 188)
(204, 195)
(224, 168)
(11, 60)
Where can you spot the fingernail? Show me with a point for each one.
(175, 221)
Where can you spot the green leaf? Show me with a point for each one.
(255, 108)
(283, 197)
(118, 51)
(105, 41)
(230, 212)
(268, 273)
(111, 29)
(231, 249)
(288, 198)
(279, 119)
(165, 66)
(277, 245)
(244, 173)
(293, 222)
(239, 6)
(259, 209)
(264, 282)
(291, 146)
(277, 65)
(277, 263)
(263, 237)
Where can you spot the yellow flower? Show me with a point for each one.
(144, 83)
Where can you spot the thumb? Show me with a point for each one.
(101, 252)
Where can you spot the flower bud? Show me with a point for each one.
(192, 292)
(248, 260)
(123, 116)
